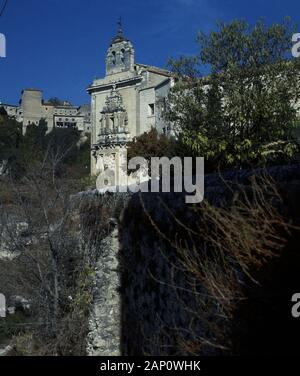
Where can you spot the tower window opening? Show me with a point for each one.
(112, 120)
(151, 109)
(123, 56)
(114, 58)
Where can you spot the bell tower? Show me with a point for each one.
(120, 55)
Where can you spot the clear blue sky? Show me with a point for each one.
(59, 46)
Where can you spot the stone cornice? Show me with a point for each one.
(119, 84)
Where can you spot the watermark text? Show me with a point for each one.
(158, 174)
(2, 306)
(296, 45)
(2, 45)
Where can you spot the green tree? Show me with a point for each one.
(55, 101)
(2, 111)
(10, 141)
(151, 144)
(34, 143)
(244, 112)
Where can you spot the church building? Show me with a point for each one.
(125, 103)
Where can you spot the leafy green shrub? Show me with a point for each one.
(245, 112)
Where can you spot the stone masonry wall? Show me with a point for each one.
(104, 338)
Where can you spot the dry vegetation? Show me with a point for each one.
(221, 252)
(48, 262)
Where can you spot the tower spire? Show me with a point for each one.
(120, 27)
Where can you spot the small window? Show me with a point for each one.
(114, 58)
(151, 109)
(123, 56)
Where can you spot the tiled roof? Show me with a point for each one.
(161, 71)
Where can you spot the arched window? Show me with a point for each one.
(114, 57)
(123, 56)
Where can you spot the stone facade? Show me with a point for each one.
(32, 109)
(124, 103)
